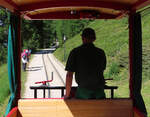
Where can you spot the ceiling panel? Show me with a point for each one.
(112, 8)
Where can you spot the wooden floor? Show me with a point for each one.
(75, 108)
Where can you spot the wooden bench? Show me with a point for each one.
(74, 108)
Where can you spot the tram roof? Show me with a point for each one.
(73, 9)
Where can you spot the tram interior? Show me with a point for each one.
(130, 106)
(120, 106)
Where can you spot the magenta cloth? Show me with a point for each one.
(23, 53)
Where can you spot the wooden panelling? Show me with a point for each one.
(20, 2)
(31, 9)
(76, 108)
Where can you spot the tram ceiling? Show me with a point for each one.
(73, 9)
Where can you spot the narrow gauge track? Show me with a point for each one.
(50, 72)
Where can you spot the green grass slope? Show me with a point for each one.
(4, 88)
(4, 83)
(112, 36)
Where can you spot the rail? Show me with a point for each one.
(62, 88)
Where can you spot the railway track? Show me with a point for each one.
(53, 74)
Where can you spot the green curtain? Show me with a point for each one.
(13, 58)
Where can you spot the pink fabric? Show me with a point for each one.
(24, 53)
(24, 50)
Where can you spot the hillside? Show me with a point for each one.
(112, 36)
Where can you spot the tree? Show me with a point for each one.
(3, 35)
(43, 34)
(49, 33)
(69, 28)
(32, 34)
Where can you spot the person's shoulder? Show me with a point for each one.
(99, 49)
(76, 49)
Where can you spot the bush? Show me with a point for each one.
(31, 44)
(3, 55)
(113, 70)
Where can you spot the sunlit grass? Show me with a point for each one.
(112, 37)
(4, 87)
(3, 106)
(4, 83)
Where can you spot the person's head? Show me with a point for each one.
(88, 35)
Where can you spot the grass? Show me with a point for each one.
(23, 80)
(3, 106)
(112, 37)
(24, 77)
(4, 83)
(146, 95)
(4, 90)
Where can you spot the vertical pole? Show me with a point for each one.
(64, 39)
(112, 93)
(19, 58)
(135, 56)
(131, 54)
(44, 93)
(62, 92)
(64, 52)
(35, 93)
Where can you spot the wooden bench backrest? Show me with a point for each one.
(75, 108)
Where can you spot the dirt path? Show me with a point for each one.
(35, 72)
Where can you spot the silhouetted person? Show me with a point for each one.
(88, 63)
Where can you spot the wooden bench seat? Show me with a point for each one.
(75, 108)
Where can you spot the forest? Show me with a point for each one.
(38, 34)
